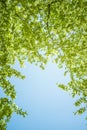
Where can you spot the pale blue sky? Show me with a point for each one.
(49, 107)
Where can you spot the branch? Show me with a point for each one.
(48, 14)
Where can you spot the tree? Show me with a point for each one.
(36, 30)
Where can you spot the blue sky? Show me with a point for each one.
(48, 107)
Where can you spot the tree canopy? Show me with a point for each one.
(37, 30)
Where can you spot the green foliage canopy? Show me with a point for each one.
(36, 30)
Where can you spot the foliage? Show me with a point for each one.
(36, 30)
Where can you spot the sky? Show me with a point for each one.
(48, 107)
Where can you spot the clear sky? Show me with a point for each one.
(48, 107)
